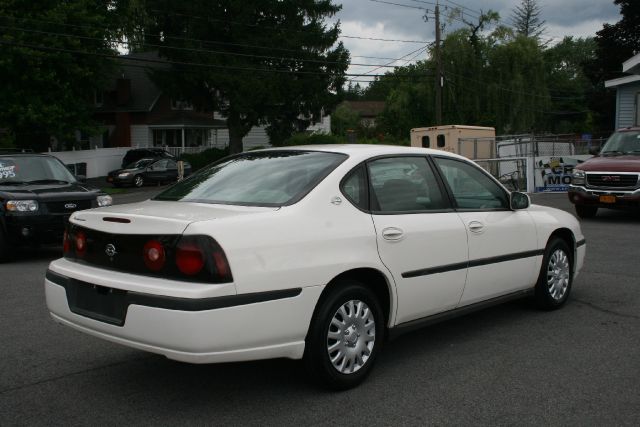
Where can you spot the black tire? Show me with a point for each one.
(585, 212)
(556, 275)
(138, 181)
(317, 354)
(4, 246)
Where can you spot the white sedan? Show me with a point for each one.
(315, 252)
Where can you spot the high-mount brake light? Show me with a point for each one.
(154, 255)
(189, 258)
(81, 243)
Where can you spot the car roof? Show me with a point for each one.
(364, 151)
(629, 129)
(25, 155)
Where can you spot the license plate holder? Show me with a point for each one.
(607, 198)
(98, 302)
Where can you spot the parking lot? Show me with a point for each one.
(507, 365)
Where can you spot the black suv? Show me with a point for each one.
(37, 196)
(136, 154)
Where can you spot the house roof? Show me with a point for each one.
(632, 65)
(187, 119)
(622, 81)
(144, 93)
(366, 108)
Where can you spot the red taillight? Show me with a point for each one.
(189, 258)
(66, 242)
(81, 243)
(154, 255)
(222, 265)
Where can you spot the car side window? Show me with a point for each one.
(404, 184)
(171, 165)
(160, 165)
(354, 187)
(472, 189)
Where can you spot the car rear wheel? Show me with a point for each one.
(138, 181)
(345, 336)
(556, 275)
(586, 211)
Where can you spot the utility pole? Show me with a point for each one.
(438, 68)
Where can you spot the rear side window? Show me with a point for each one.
(354, 186)
(404, 184)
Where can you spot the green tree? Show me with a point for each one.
(526, 19)
(259, 61)
(615, 44)
(344, 119)
(568, 85)
(53, 58)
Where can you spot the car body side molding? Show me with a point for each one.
(473, 263)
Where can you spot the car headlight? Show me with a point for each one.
(22, 205)
(123, 175)
(578, 177)
(105, 200)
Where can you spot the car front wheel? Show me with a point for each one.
(345, 336)
(138, 181)
(556, 276)
(4, 245)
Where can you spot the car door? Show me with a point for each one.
(157, 171)
(502, 242)
(171, 173)
(421, 240)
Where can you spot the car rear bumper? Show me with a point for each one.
(579, 195)
(272, 327)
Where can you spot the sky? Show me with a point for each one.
(404, 21)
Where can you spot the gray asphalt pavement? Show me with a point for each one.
(509, 365)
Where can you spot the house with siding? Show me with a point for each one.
(627, 94)
(134, 112)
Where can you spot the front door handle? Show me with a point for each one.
(476, 227)
(392, 234)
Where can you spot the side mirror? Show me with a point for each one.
(81, 178)
(519, 200)
(594, 151)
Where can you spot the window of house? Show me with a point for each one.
(426, 142)
(440, 141)
(181, 104)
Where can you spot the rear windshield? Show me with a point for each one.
(627, 142)
(269, 178)
(33, 170)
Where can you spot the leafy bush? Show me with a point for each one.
(200, 160)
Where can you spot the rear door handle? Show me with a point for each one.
(476, 227)
(392, 234)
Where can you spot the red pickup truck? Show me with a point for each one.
(609, 179)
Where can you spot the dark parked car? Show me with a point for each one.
(37, 195)
(145, 153)
(147, 170)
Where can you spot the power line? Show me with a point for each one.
(182, 63)
(398, 4)
(187, 49)
(419, 51)
(263, 27)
